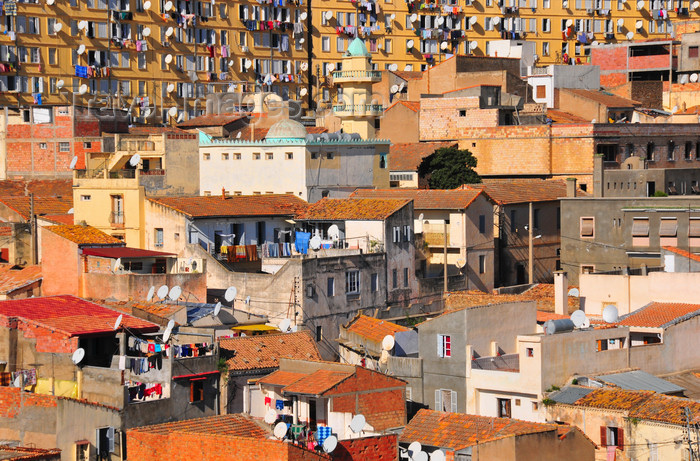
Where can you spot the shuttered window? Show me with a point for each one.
(587, 227)
(694, 230)
(640, 227)
(668, 227)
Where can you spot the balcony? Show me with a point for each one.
(116, 218)
(358, 110)
(360, 76)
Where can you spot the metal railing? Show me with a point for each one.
(506, 362)
(358, 108)
(116, 218)
(357, 74)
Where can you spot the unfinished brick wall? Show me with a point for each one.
(440, 118)
(381, 448)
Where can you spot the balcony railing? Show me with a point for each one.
(358, 108)
(373, 74)
(122, 174)
(506, 362)
(136, 145)
(116, 218)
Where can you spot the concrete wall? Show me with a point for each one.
(633, 183)
(60, 265)
(399, 124)
(125, 287)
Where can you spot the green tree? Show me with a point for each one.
(449, 168)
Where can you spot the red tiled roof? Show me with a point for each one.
(413, 106)
(408, 75)
(125, 252)
(613, 399)
(38, 187)
(377, 448)
(70, 315)
(8, 453)
(163, 310)
(542, 293)
(264, 351)
(150, 129)
(14, 279)
(281, 378)
(603, 97)
(372, 328)
(84, 235)
(66, 219)
(317, 382)
(425, 199)
(508, 191)
(457, 431)
(238, 424)
(543, 317)
(42, 205)
(408, 156)
(351, 209)
(660, 315)
(692, 110)
(683, 253)
(559, 116)
(235, 205)
(212, 120)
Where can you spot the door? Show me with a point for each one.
(651, 188)
(504, 408)
(312, 414)
(117, 209)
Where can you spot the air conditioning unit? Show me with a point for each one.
(244, 49)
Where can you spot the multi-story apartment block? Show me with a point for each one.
(170, 53)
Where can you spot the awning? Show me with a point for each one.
(640, 227)
(668, 227)
(257, 327)
(197, 375)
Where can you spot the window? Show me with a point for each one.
(64, 147)
(529, 352)
(640, 231)
(462, 112)
(512, 221)
(269, 156)
(535, 406)
(256, 156)
(650, 151)
(85, 198)
(587, 227)
(688, 150)
(326, 43)
(694, 232)
(158, 235)
(406, 233)
(503, 408)
(197, 390)
(671, 151)
(395, 278)
(545, 48)
(482, 264)
(319, 333)
(396, 234)
(541, 91)
(668, 232)
(289, 156)
(329, 155)
(206, 156)
(445, 400)
(374, 278)
(87, 145)
(692, 51)
(587, 269)
(444, 346)
(82, 452)
(330, 291)
(612, 437)
(52, 56)
(405, 277)
(224, 156)
(352, 282)
(43, 145)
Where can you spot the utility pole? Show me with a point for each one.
(530, 230)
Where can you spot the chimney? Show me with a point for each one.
(598, 172)
(571, 187)
(561, 293)
(223, 193)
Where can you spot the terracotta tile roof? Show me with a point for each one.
(413, 106)
(70, 315)
(457, 431)
(542, 293)
(559, 116)
(683, 253)
(408, 75)
(348, 209)
(408, 156)
(543, 317)
(42, 205)
(372, 328)
(136, 308)
(84, 235)
(613, 399)
(238, 424)
(38, 187)
(281, 378)
(125, 252)
(264, 351)
(234, 205)
(65, 219)
(660, 315)
(603, 97)
(507, 191)
(692, 110)
(212, 120)
(317, 382)
(8, 453)
(377, 448)
(14, 279)
(6, 229)
(425, 199)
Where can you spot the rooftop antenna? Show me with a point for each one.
(270, 416)
(118, 321)
(134, 160)
(284, 325)
(175, 293)
(437, 455)
(280, 430)
(579, 318)
(394, 89)
(334, 232)
(357, 424)
(117, 265)
(610, 313)
(460, 263)
(315, 243)
(168, 331)
(78, 355)
(388, 343)
(151, 292)
(73, 162)
(230, 294)
(574, 292)
(330, 443)
(162, 292)
(414, 450)
(217, 309)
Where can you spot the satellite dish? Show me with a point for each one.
(118, 321)
(594, 43)
(413, 449)
(315, 242)
(473, 20)
(171, 324)
(684, 79)
(620, 22)
(421, 216)
(443, 45)
(280, 430)
(168, 5)
(247, 300)
(329, 15)
(594, 121)
(59, 84)
(163, 292)
(574, 292)
(168, 58)
(270, 416)
(134, 160)
(248, 63)
(388, 343)
(460, 263)
(630, 35)
(147, 112)
(166, 334)
(394, 89)
(169, 31)
(610, 313)
(147, 5)
(414, 17)
(170, 87)
(117, 264)
(82, 24)
(50, 2)
(437, 455)
(496, 20)
(217, 309)
(473, 44)
(175, 293)
(303, 16)
(172, 111)
(440, 20)
(409, 44)
(71, 211)
(333, 232)
(693, 78)
(579, 318)
(230, 294)
(358, 423)
(285, 324)
(78, 355)
(146, 31)
(421, 456)
(303, 92)
(569, 23)
(57, 27)
(304, 66)
(81, 49)
(330, 443)
(640, 4)
(73, 161)
(330, 67)
(696, 5)
(393, 16)
(394, 67)
(639, 24)
(83, 89)
(151, 292)
(674, 110)
(238, 135)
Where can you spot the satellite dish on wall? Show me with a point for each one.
(330, 67)
(569, 23)
(388, 343)
(166, 334)
(695, 5)
(284, 325)
(329, 15)
(280, 430)
(437, 455)
(620, 22)
(83, 89)
(73, 161)
(168, 5)
(303, 16)
(496, 20)
(57, 27)
(170, 87)
(330, 443)
(81, 49)
(414, 17)
(303, 92)
(175, 293)
(118, 321)
(630, 35)
(640, 4)
(304, 66)
(82, 25)
(217, 309)
(473, 20)
(333, 232)
(71, 211)
(693, 78)
(473, 44)
(134, 160)
(151, 292)
(270, 416)
(460, 263)
(248, 63)
(358, 423)
(574, 292)
(117, 265)
(394, 67)
(78, 355)
(610, 313)
(172, 111)
(684, 79)
(50, 2)
(147, 5)
(163, 292)
(639, 24)
(440, 20)
(579, 318)
(444, 45)
(394, 89)
(146, 31)
(315, 242)
(169, 31)
(59, 84)
(413, 449)
(421, 456)
(230, 294)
